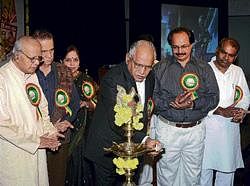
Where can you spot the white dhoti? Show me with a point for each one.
(222, 144)
(222, 150)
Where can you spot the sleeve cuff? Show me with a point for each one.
(144, 139)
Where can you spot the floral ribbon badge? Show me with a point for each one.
(190, 82)
(34, 95)
(150, 106)
(88, 89)
(150, 109)
(238, 94)
(62, 100)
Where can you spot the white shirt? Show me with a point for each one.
(222, 143)
(141, 91)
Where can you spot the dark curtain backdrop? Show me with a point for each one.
(97, 28)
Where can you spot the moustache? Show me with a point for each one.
(222, 60)
(180, 54)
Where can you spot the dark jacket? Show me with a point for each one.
(103, 131)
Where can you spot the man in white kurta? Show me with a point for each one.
(222, 144)
(25, 129)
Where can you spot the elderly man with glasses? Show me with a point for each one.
(25, 127)
(134, 72)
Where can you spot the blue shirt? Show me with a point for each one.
(49, 85)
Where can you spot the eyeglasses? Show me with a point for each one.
(32, 59)
(139, 66)
(71, 59)
(182, 47)
(225, 53)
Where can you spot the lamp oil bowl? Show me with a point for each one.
(128, 149)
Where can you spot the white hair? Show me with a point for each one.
(17, 47)
(135, 45)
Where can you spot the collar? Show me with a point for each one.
(174, 61)
(18, 71)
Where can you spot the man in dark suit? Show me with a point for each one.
(135, 72)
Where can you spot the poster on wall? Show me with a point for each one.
(11, 26)
(203, 21)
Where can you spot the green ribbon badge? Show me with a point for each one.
(190, 82)
(88, 89)
(150, 106)
(34, 95)
(62, 100)
(238, 94)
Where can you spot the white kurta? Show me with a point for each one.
(21, 162)
(222, 144)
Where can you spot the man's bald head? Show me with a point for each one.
(27, 54)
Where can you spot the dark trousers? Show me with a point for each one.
(57, 162)
(106, 177)
(79, 170)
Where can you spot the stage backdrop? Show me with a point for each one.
(12, 25)
(203, 21)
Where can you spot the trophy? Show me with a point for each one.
(128, 113)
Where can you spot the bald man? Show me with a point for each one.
(25, 128)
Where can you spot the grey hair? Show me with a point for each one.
(135, 45)
(17, 47)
